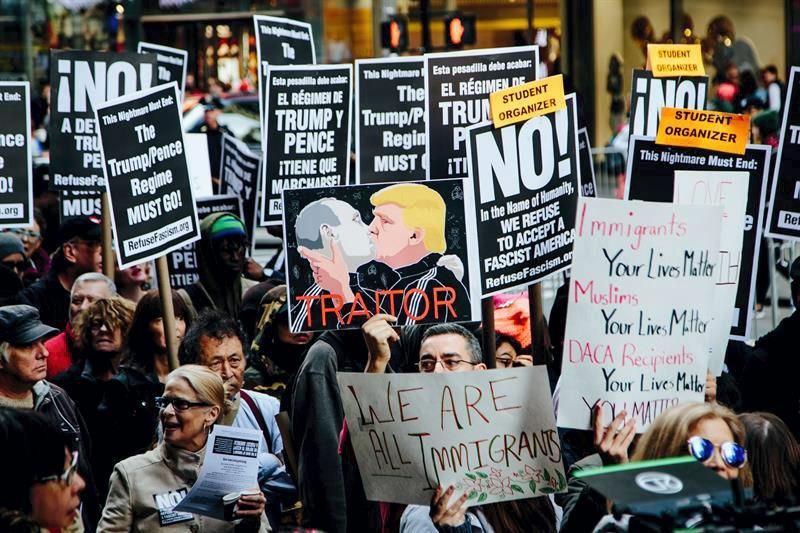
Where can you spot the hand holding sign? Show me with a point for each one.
(379, 336)
(330, 274)
(443, 515)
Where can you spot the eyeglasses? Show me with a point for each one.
(67, 476)
(26, 233)
(449, 363)
(162, 402)
(732, 454)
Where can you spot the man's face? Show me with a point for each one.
(353, 234)
(27, 363)
(226, 358)
(85, 293)
(231, 252)
(448, 352)
(388, 231)
(86, 255)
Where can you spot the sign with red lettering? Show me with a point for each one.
(640, 308)
(491, 434)
(358, 250)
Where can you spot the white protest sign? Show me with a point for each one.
(490, 433)
(729, 190)
(640, 309)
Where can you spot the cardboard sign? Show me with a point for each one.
(588, 186)
(81, 81)
(457, 89)
(729, 190)
(637, 333)
(400, 249)
(239, 172)
(390, 120)
(307, 140)
(784, 205)
(183, 265)
(525, 178)
(651, 177)
(16, 175)
(671, 60)
(171, 63)
(489, 433)
(79, 204)
(650, 94)
(147, 176)
(712, 130)
(528, 100)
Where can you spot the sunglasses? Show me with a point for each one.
(67, 476)
(162, 402)
(732, 454)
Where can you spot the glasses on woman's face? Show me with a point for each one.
(68, 474)
(732, 454)
(428, 364)
(162, 402)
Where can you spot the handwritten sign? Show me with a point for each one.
(528, 100)
(669, 60)
(638, 322)
(491, 434)
(712, 130)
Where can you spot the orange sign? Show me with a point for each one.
(711, 130)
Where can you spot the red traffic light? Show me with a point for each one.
(459, 30)
(394, 34)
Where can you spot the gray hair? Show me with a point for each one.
(473, 346)
(309, 220)
(92, 277)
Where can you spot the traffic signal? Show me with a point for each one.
(394, 34)
(459, 30)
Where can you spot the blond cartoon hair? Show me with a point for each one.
(423, 208)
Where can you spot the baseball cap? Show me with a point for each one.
(20, 325)
(87, 229)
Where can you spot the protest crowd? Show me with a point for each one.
(392, 368)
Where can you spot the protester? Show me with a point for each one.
(220, 259)
(133, 282)
(41, 486)
(79, 253)
(12, 265)
(774, 457)
(214, 132)
(775, 89)
(193, 401)
(250, 311)
(23, 366)
(37, 258)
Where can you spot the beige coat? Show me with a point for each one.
(145, 487)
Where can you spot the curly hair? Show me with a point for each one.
(115, 313)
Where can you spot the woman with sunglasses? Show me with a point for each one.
(40, 485)
(145, 488)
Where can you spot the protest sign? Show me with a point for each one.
(525, 179)
(16, 174)
(183, 266)
(307, 139)
(651, 177)
(81, 81)
(671, 60)
(588, 185)
(401, 249)
(171, 63)
(713, 130)
(457, 89)
(199, 164)
(637, 333)
(783, 221)
(147, 176)
(281, 41)
(390, 120)
(239, 171)
(528, 100)
(650, 94)
(80, 204)
(729, 190)
(491, 434)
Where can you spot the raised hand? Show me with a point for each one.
(379, 336)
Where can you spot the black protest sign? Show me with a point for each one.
(650, 94)
(81, 81)
(171, 63)
(307, 139)
(80, 204)
(651, 177)
(16, 176)
(390, 120)
(239, 173)
(783, 221)
(355, 251)
(147, 177)
(183, 266)
(525, 178)
(281, 41)
(457, 86)
(588, 185)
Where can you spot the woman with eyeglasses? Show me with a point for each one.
(145, 488)
(40, 485)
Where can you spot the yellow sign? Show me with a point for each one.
(711, 130)
(670, 60)
(528, 100)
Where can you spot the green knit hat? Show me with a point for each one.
(227, 226)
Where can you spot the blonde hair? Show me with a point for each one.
(114, 312)
(423, 208)
(667, 436)
(205, 383)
